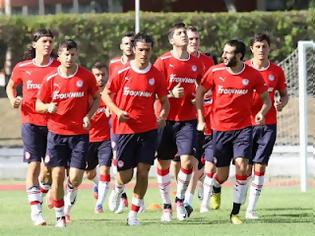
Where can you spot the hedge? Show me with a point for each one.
(99, 34)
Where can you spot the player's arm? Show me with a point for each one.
(42, 107)
(283, 100)
(260, 116)
(200, 92)
(94, 105)
(165, 108)
(107, 98)
(11, 93)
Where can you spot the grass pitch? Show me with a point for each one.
(282, 210)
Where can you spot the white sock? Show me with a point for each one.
(135, 206)
(183, 180)
(164, 182)
(207, 189)
(44, 188)
(103, 188)
(70, 197)
(59, 208)
(189, 197)
(255, 190)
(239, 189)
(34, 199)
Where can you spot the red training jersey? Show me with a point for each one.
(115, 65)
(274, 78)
(31, 77)
(207, 108)
(135, 92)
(232, 96)
(100, 130)
(206, 61)
(72, 95)
(188, 73)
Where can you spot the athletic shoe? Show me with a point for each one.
(235, 219)
(251, 215)
(114, 200)
(123, 203)
(188, 208)
(215, 201)
(38, 219)
(61, 222)
(99, 209)
(204, 209)
(167, 213)
(181, 212)
(95, 191)
(133, 221)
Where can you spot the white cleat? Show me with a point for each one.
(61, 222)
(133, 221)
(166, 215)
(121, 206)
(114, 200)
(251, 215)
(204, 209)
(181, 212)
(38, 219)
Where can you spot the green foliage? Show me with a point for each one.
(99, 34)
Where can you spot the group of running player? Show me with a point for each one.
(182, 109)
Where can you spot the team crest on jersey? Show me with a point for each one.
(79, 83)
(245, 82)
(271, 77)
(194, 68)
(47, 158)
(27, 155)
(152, 81)
(120, 163)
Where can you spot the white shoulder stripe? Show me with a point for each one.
(218, 68)
(122, 70)
(51, 76)
(114, 60)
(166, 57)
(25, 63)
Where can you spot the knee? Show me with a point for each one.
(90, 175)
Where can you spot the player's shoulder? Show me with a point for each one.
(24, 64)
(115, 60)
(51, 75)
(124, 69)
(276, 68)
(165, 56)
(217, 68)
(55, 63)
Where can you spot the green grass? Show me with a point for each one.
(283, 211)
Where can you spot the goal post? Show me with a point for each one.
(304, 76)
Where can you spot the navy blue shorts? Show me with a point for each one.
(208, 148)
(135, 148)
(67, 150)
(228, 145)
(34, 142)
(177, 138)
(99, 153)
(264, 138)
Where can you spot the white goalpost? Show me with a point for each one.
(296, 135)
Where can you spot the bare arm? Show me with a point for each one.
(200, 92)
(107, 98)
(42, 107)
(93, 108)
(164, 111)
(260, 116)
(283, 101)
(11, 93)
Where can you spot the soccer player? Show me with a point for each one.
(198, 171)
(232, 84)
(66, 95)
(182, 72)
(135, 88)
(115, 65)
(30, 73)
(264, 136)
(100, 151)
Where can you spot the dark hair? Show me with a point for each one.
(30, 52)
(192, 28)
(129, 34)
(239, 46)
(99, 65)
(68, 44)
(259, 37)
(175, 27)
(144, 38)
